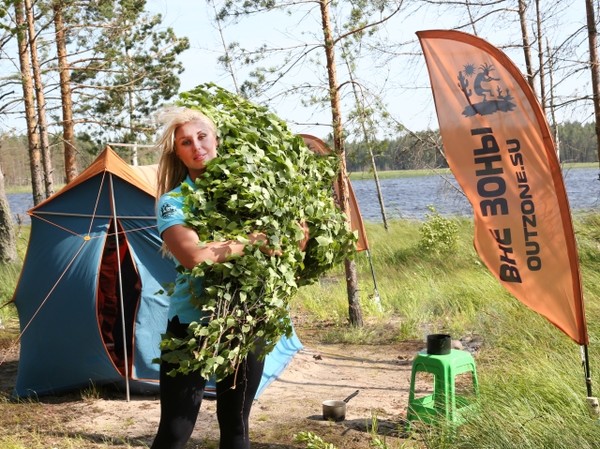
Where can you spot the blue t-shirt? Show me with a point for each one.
(170, 213)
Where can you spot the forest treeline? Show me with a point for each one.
(423, 149)
(409, 151)
(81, 77)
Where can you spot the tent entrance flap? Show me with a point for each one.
(110, 285)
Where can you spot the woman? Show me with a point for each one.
(189, 141)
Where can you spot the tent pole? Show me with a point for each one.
(123, 328)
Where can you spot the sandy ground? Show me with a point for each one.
(291, 404)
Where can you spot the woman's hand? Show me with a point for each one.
(184, 245)
(302, 243)
(261, 237)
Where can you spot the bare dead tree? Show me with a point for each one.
(471, 17)
(354, 309)
(551, 102)
(540, 40)
(226, 59)
(359, 99)
(526, 43)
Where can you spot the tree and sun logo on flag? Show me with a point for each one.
(494, 96)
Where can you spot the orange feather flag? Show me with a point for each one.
(317, 146)
(499, 147)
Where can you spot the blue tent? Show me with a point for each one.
(89, 298)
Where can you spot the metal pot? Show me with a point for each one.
(336, 410)
(439, 344)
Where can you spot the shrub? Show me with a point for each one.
(438, 234)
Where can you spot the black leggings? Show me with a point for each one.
(181, 397)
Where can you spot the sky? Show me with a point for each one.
(193, 19)
(403, 80)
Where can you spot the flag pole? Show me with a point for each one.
(592, 402)
(376, 297)
(586, 369)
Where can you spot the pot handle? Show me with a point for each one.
(351, 396)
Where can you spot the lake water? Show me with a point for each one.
(410, 197)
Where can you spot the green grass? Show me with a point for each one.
(387, 174)
(533, 392)
(9, 275)
(532, 384)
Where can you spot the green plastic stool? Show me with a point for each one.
(443, 402)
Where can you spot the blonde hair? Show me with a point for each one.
(171, 171)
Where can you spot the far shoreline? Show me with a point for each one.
(358, 175)
(387, 174)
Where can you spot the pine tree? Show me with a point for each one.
(136, 72)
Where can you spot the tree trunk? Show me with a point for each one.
(226, 60)
(526, 43)
(593, 42)
(362, 118)
(354, 308)
(40, 100)
(471, 19)
(338, 145)
(33, 138)
(551, 102)
(130, 111)
(8, 245)
(540, 41)
(69, 148)
(379, 191)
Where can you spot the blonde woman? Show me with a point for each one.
(188, 142)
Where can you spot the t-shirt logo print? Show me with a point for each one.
(167, 210)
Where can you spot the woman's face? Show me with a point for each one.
(195, 145)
